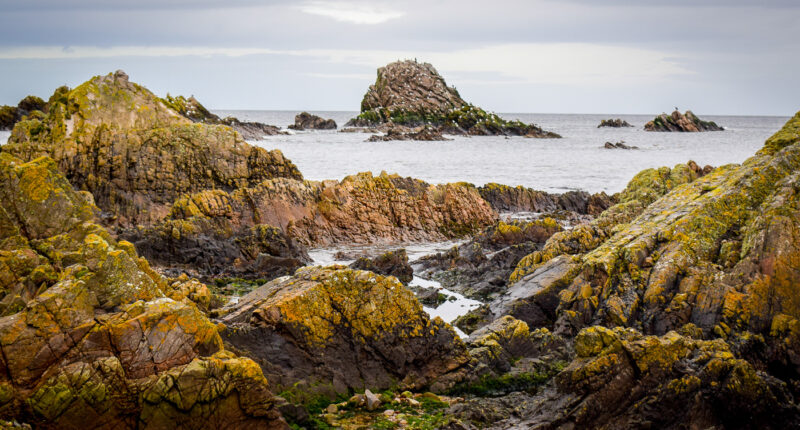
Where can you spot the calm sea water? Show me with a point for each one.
(578, 161)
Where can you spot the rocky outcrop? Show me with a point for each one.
(504, 198)
(618, 145)
(330, 330)
(480, 268)
(117, 140)
(677, 121)
(192, 109)
(29, 106)
(360, 209)
(307, 121)
(615, 123)
(89, 333)
(425, 133)
(390, 263)
(413, 94)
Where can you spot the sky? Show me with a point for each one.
(715, 57)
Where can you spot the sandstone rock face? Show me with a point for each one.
(412, 93)
(360, 209)
(390, 263)
(90, 334)
(117, 140)
(307, 121)
(616, 123)
(504, 198)
(677, 121)
(334, 329)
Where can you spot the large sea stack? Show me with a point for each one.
(413, 94)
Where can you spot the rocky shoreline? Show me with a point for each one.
(155, 272)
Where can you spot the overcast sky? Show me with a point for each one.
(558, 56)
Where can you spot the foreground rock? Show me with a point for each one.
(480, 268)
(390, 263)
(91, 334)
(307, 121)
(615, 123)
(412, 94)
(677, 121)
(330, 330)
(192, 109)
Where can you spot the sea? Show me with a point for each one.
(577, 161)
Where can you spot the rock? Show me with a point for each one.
(681, 122)
(192, 109)
(390, 263)
(430, 297)
(425, 133)
(361, 208)
(29, 106)
(616, 123)
(136, 162)
(335, 329)
(332, 409)
(622, 379)
(90, 333)
(619, 145)
(372, 400)
(306, 121)
(480, 268)
(504, 198)
(413, 94)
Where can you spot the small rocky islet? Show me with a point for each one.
(129, 225)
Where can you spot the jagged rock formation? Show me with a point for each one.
(618, 145)
(504, 198)
(681, 300)
(192, 109)
(480, 268)
(412, 93)
(390, 263)
(89, 333)
(616, 123)
(306, 121)
(30, 105)
(360, 209)
(681, 122)
(425, 133)
(335, 329)
(117, 140)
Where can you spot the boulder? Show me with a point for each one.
(307, 121)
(504, 198)
(618, 145)
(334, 329)
(390, 263)
(687, 122)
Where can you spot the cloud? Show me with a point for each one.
(356, 13)
(536, 63)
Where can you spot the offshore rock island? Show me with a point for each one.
(155, 273)
(413, 94)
